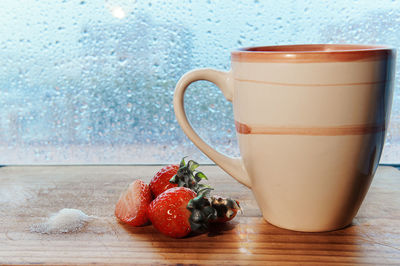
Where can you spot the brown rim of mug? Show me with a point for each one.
(312, 53)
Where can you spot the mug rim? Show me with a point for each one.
(299, 53)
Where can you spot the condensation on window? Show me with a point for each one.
(92, 82)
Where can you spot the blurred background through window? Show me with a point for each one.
(92, 81)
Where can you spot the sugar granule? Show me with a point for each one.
(64, 221)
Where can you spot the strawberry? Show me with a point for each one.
(182, 175)
(160, 182)
(178, 211)
(226, 209)
(133, 203)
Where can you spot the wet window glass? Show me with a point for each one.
(92, 81)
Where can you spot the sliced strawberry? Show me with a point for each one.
(161, 180)
(133, 203)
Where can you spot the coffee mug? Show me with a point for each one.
(311, 123)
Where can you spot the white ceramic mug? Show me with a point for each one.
(311, 123)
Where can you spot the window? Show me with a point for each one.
(92, 81)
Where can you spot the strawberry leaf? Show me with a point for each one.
(186, 176)
(192, 165)
(203, 190)
(173, 180)
(201, 212)
(199, 176)
(182, 163)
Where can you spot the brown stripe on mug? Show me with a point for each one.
(310, 131)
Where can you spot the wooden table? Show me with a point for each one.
(30, 194)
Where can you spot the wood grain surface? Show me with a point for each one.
(30, 194)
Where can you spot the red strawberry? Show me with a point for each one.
(182, 175)
(178, 211)
(160, 182)
(133, 203)
(226, 209)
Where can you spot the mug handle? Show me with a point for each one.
(233, 166)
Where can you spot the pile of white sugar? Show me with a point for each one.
(64, 221)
